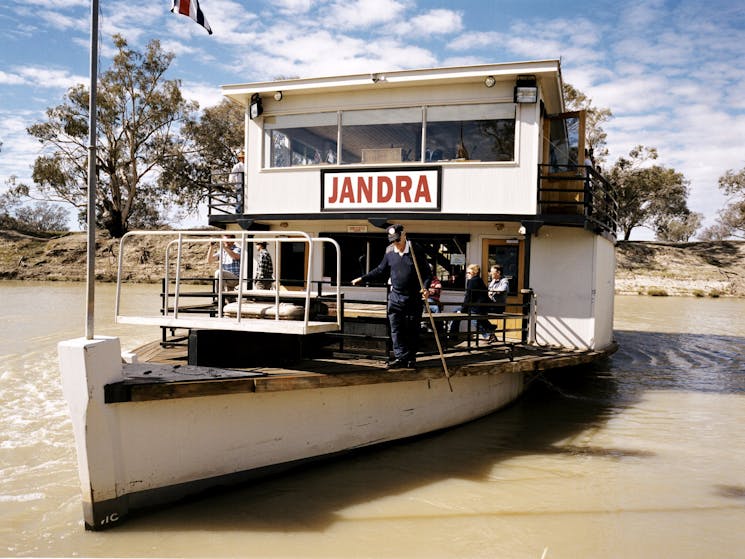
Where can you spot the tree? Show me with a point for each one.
(212, 143)
(648, 195)
(595, 136)
(679, 229)
(731, 219)
(138, 115)
(29, 218)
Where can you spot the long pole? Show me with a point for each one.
(90, 276)
(431, 319)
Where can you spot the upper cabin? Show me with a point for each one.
(480, 163)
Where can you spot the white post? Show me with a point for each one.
(86, 367)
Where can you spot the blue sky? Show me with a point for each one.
(673, 73)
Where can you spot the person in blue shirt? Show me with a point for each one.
(229, 256)
(406, 298)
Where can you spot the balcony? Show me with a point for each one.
(225, 196)
(577, 195)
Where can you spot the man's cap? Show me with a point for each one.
(394, 232)
(241, 153)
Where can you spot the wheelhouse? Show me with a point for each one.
(480, 163)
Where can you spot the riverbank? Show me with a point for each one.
(702, 269)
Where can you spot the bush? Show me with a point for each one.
(656, 292)
(715, 293)
(698, 293)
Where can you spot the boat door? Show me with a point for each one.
(510, 254)
(293, 264)
(562, 173)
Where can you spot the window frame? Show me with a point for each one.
(412, 159)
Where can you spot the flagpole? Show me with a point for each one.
(90, 276)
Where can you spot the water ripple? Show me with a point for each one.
(710, 363)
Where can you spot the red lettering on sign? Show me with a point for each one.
(356, 189)
(334, 193)
(403, 186)
(422, 190)
(365, 189)
(347, 194)
(385, 189)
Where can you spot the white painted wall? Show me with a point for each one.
(496, 187)
(571, 273)
(605, 288)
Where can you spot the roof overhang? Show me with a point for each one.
(547, 72)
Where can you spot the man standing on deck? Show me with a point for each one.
(236, 179)
(229, 256)
(264, 267)
(406, 297)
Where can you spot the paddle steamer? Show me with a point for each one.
(481, 164)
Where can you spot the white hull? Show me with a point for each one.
(138, 453)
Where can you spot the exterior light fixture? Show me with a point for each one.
(278, 96)
(526, 89)
(489, 81)
(255, 108)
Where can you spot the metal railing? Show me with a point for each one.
(173, 275)
(515, 326)
(225, 196)
(577, 190)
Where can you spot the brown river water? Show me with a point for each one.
(641, 457)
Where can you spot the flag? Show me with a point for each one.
(191, 8)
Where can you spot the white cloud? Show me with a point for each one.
(475, 40)
(434, 22)
(363, 13)
(206, 94)
(39, 76)
(11, 79)
(19, 148)
(294, 7)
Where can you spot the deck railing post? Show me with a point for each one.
(178, 275)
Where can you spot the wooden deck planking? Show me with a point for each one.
(332, 372)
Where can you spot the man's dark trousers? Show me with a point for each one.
(404, 315)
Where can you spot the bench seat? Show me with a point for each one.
(254, 309)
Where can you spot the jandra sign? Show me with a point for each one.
(399, 189)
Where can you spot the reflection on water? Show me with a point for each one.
(639, 457)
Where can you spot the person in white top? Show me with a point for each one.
(236, 179)
(498, 288)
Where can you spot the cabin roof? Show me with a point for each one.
(547, 73)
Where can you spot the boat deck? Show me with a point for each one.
(163, 372)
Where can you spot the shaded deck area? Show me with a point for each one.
(164, 373)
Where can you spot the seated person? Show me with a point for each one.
(433, 299)
(433, 294)
(498, 288)
(476, 300)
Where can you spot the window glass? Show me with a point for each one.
(381, 136)
(361, 252)
(484, 132)
(308, 139)
(564, 147)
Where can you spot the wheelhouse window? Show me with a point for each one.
(471, 132)
(476, 132)
(296, 140)
(381, 136)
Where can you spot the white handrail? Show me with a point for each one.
(205, 237)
